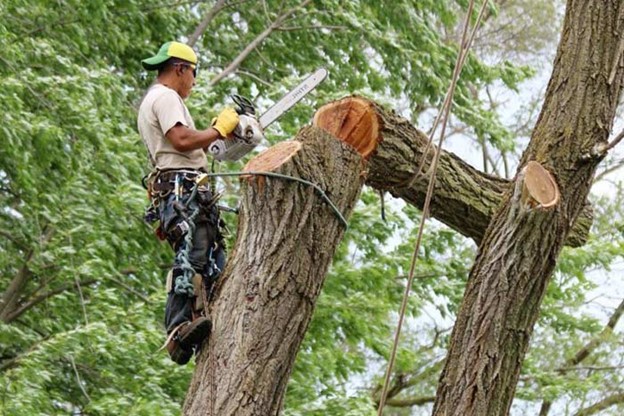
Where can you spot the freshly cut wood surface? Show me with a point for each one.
(273, 157)
(352, 120)
(539, 187)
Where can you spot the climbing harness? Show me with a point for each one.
(160, 185)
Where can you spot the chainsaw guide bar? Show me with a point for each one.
(250, 130)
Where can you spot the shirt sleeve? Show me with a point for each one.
(169, 110)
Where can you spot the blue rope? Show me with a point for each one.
(184, 283)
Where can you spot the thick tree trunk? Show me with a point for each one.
(521, 246)
(287, 236)
(465, 199)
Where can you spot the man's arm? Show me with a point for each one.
(183, 138)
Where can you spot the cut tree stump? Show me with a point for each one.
(539, 188)
(465, 199)
(287, 237)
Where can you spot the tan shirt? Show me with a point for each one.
(161, 109)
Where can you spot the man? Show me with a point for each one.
(189, 218)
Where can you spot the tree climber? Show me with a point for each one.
(181, 201)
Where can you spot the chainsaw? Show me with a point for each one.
(250, 130)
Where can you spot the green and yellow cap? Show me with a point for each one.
(170, 50)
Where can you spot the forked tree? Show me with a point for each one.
(288, 230)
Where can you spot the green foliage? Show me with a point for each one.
(71, 214)
(85, 327)
(91, 369)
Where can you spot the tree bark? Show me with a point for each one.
(287, 236)
(520, 248)
(465, 199)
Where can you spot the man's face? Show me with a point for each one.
(187, 73)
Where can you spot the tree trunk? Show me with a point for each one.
(287, 236)
(521, 246)
(287, 233)
(465, 199)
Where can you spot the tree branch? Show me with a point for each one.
(257, 42)
(37, 300)
(617, 165)
(311, 27)
(11, 237)
(616, 140)
(601, 405)
(411, 401)
(128, 288)
(255, 77)
(201, 28)
(584, 352)
(11, 362)
(592, 368)
(465, 198)
(78, 380)
(13, 291)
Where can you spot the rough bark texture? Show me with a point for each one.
(465, 199)
(287, 236)
(520, 248)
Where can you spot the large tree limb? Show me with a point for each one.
(520, 248)
(465, 199)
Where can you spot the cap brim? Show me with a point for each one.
(154, 62)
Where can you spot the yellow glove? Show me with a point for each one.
(226, 121)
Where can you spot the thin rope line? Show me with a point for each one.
(292, 178)
(425, 212)
(447, 97)
(459, 64)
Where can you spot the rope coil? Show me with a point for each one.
(184, 282)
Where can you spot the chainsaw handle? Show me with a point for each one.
(245, 106)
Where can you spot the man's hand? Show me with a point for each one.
(226, 122)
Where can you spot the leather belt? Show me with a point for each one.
(165, 180)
